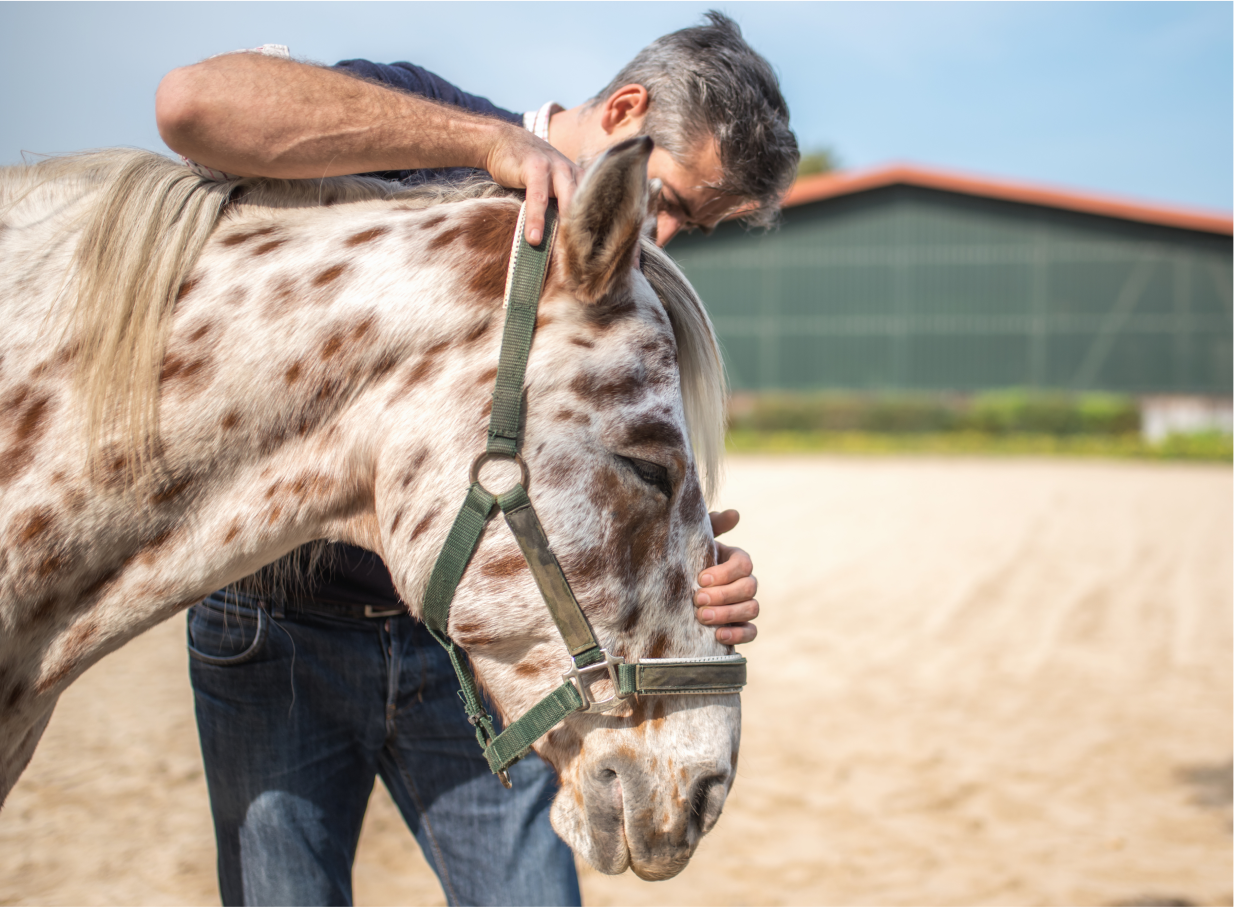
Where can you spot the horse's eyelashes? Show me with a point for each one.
(652, 474)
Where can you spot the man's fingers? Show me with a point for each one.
(728, 614)
(724, 522)
(537, 202)
(737, 634)
(736, 565)
(739, 591)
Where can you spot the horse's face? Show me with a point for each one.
(614, 481)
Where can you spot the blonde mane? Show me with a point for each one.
(144, 223)
(704, 390)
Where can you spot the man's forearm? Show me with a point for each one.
(254, 115)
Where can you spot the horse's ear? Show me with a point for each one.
(600, 231)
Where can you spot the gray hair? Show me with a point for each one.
(707, 81)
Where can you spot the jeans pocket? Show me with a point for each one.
(226, 633)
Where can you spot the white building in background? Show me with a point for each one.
(1161, 417)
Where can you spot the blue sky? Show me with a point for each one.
(1127, 98)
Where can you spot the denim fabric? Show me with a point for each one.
(299, 712)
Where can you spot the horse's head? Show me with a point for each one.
(610, 443)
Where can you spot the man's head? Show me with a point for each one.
(714, 109)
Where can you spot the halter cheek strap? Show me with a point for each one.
(590, 662)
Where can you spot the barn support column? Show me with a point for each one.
(1182, 323)
(901, 313)
(1039, 304)
(769, 328)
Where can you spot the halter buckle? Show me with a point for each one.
(582, 682)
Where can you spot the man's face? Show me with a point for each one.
(686, 201)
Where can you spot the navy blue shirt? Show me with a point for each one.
(417, 80)
(353, 575)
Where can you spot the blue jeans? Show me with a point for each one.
(298, 712)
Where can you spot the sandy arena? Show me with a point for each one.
(977, 682)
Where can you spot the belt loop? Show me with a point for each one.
(278, 607)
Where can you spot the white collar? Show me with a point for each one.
(536, 121)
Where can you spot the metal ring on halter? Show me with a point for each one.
(490, 455)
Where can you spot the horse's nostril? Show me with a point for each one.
(706, 800)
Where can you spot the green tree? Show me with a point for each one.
(820, 160)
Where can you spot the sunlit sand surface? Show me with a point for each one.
(976, 682)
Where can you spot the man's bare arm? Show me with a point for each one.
(255, 115)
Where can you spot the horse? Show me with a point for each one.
(198, 378)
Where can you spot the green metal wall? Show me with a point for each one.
(911, 288)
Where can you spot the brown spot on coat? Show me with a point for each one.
(365, 236)
(489, 234)
(424, 522)
(236, 239)
(607, 390)
(444, 238)
(29, 429)
(172, 491)
(267, 247)
(231, 420)
(471, 635)
(527, 669)
(418, 372)
(504, 567)
(654, 433)
(186, 288)
(333, 344)
(35, 525)
(232, 532)
(201, 331)
(292, 375)
(329, 275)
(192, 375)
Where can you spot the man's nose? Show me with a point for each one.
(666, 228)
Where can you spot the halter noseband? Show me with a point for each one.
(590, 662)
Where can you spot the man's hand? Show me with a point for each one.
(726, 598)
(519, 160)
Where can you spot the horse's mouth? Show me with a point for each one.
(616, 829)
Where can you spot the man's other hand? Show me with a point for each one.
(726, 599)
(519, 160)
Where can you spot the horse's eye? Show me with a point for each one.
(652, 474)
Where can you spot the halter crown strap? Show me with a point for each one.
(591, 663)
(524, 280)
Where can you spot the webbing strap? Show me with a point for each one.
(528, 265)
(513, 743)
(451, 564)
(575, 629)
(700, 675)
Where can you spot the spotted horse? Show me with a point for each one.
(196, 379)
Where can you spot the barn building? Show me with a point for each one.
(904, 278)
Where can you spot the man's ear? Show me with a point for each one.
(600, 231)
(624, 107)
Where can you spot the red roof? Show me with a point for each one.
(846, 182)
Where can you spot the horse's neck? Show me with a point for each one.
(314, 356)
(371, 369)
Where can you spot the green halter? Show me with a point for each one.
(717, 674)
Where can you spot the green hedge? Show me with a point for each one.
(1210, 447)
(994, 413)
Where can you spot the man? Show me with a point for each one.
(304, 696)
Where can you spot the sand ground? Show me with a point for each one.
(977, 682)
